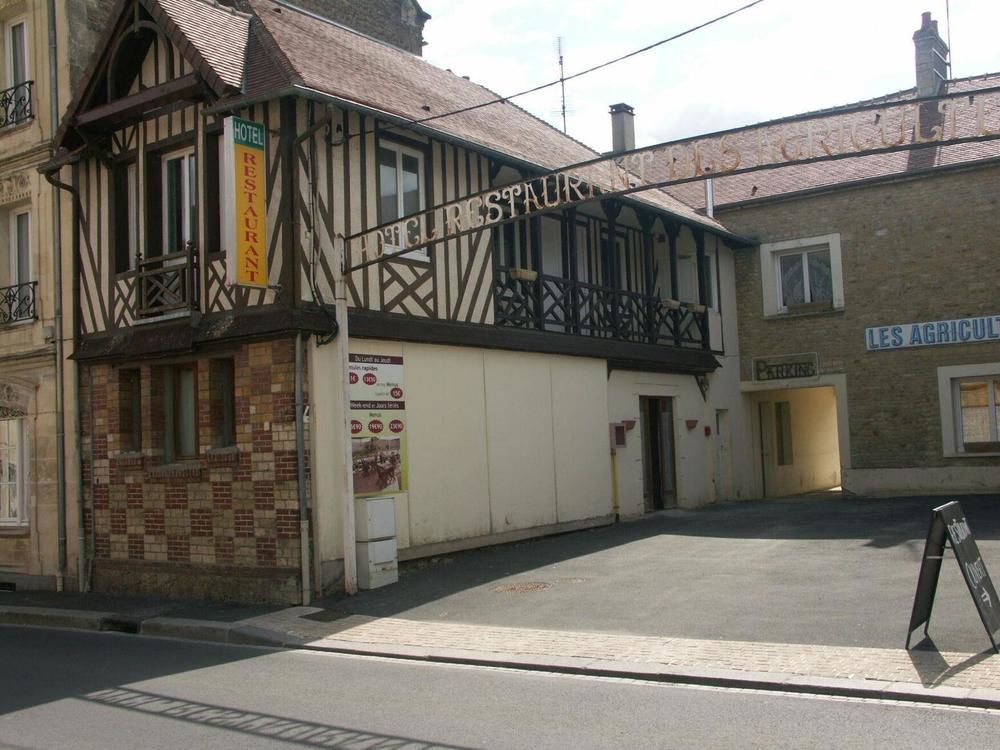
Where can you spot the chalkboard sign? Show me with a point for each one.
(948, 523)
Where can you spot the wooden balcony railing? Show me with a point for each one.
(15, 104)
(168, 283)
(553, 303)
(17, 302)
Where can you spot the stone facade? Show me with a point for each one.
(398, 22)
(223, 525)
(916, 249)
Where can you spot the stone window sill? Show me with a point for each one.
(127, 459)
(179, 470)
(222, 456)
(805, 314)
(14, 529)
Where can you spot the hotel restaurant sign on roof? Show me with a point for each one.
(857, 131)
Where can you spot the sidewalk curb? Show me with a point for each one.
(236, 633)
(51, 617)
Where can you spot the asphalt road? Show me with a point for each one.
(62, 689)
(838, 572)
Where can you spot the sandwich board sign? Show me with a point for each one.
(948, 524)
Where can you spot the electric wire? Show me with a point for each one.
(562, 79)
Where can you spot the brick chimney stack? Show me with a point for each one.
(931, 58)
(622, 128)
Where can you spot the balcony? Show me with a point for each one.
(168, 283)
(553, 303)
(17, 302)
(15, 104)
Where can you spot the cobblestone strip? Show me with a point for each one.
(930, 669)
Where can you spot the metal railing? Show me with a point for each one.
(167, 283)
(553, 303)
(17, 302)
(15, 104)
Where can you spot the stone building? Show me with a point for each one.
(869, 317)
(38, 521)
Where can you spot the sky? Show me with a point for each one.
(779, 58)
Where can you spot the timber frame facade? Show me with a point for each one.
(196, 448)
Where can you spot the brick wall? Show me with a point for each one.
(398, 22)
(224, 524)
(916, 250)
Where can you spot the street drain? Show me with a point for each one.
(520, 588)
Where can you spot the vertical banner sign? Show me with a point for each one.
(378, 424)
(244, 231)
(948, 524)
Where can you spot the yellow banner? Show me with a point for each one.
(248, 143)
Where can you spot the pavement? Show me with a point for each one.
(804, 595)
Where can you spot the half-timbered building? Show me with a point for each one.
(213, 416)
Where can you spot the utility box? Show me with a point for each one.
(375, 532)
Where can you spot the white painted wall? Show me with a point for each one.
(498, 442)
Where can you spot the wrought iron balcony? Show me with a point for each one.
(553, 303)
(15, 104)
(168, 283)
(17, 302)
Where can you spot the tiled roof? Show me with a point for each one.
(342, 63)
(794, 178)
(219, 34)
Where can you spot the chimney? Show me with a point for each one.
(931, 57)
(622, 128)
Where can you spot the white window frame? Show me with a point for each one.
(400, 150)
(8, 33)
(949, 379)
(770, 253)
(12, 247)
(21, 481)
(188, 221)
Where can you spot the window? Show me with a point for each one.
(19, 246)
(17, 296)
(401, 186)
(783, 432)
(222, 402)
(17, 53)
(180, 411)
(800, 276)
(126, 218)
(970, 409)
(214, 203)
(180, 192)
(979, 405)
(804, 278)
(12, 461)
(130, 410)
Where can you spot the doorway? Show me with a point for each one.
(658, 452)
(798, 438)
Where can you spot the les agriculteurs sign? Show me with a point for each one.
(245, 229)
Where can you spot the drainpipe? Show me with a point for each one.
(347, 475)
(57, 326)
(57, 184)
(300, 449)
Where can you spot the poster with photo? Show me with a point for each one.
(378, 424)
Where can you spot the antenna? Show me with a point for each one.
(947, 20)
(562, 80)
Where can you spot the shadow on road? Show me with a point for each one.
(880, 524)
(253, 724)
